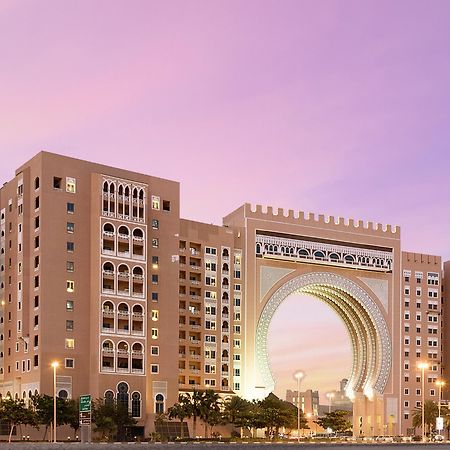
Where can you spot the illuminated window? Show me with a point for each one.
(154, 350)
(154, 333)
(155, 315)
(70, 286)
(156, 202)
(71, 185)
(70, 343)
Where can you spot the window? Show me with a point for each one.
(36, 183)
(69, 325)
(155, 242)
(237, 372)
(69, 305)
(36, 242)
(69, 363)
(155, 202)
(159, 404)
(70, 265)
(155, 279)
(36, 281)
(166, 205)
(70, 286)
(155, 315)
(70, 343)
(155, 262)
(136, 404)
(154, 368)
(36, 301)
(210, 281)
(237, 302)
(36, 222)
(70, 247)
(155, 224)
(406, 290)
(406, 391)
(154, 296)
(71, 185)
(36, 321)
(237, 343)
(70, 227)
(70, 207)
(154, 350)
(210, 250)
(36, 360)
(36, 203)
(57, 182)
(154, 333)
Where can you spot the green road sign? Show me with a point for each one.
(85, 403)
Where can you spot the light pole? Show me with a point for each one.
(55, 365)
(422, 366)
(440, 383)
(298, 376)
(330, 396)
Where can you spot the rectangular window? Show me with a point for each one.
(155, 315)
(70, 286)
(70, 265)
(166, 205)
(237, 343)
(154, 333)
(70, 207)
(154, 368)
(70, 343)
(154, 296)
(237, 274)
(69, 305)
(155, 202)
(70, 247)
(36, 242)
(36, 222)
(71, 185)
(155, 224)
(210, 251)
(69, 363)
(70, 227)
(210, 281)
(69, 325)
(154, 350)
(155, 279)
(155, 242)
(57, 182)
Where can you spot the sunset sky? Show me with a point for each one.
(338, 107)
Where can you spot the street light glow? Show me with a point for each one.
(299, 375)
(440, 383)
(423, 365)
(55, 364)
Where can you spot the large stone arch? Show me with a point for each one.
(372, 348)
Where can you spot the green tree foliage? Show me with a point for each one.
(181, 411)
(210, 410)
(336, 420)
(16, 413)
(431, 412)
(112, 420)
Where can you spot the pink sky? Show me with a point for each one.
(340, 107)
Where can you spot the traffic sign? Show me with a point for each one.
(439, 423)
(85, 403)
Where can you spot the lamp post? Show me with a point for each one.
(55, 365)
(330, 396)
(440, 383)
(299, 375)
(422, 366)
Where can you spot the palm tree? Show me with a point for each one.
(236, 411)
(430, 414)
(210, 408)
(180, 410)
(193, 404)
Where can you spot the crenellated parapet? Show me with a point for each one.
(321, 220)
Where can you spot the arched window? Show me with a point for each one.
(108, 345)
(141, 194)
(334, 257)
(108, 227)
(137, 270)
(120, 189)
(124, 231)
(138, 233)
(159, 404)
(63, 394)
(303, 252)
(108, 306)
(349, 258)
(109, 397)
(105, 187)
(136, 404)
(112, 188)
(122, 394)
(319, 254)
(135, 193)
(36, 183)
(108, 267)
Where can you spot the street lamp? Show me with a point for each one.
(440, 383)
(330, 396)
(55, 365)
(422, 366)
(299, 375)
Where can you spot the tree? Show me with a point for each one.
(193, 404)
(112, 419)
(15, 413)
(276, 413)
(210, 409)
(336, 420)
(180, 410)
(431, 412)
(237, 411)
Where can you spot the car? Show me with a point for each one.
(437, 438)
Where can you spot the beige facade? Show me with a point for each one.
(99, 272)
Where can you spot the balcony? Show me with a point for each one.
(139, 257)
(108, 351)
(108, 233)
(138, 277)
(138, 315)
(124, 237)
(195, 356)
(123, 352)
(108, 330)
(107, 251)
(123, 314)
(107, 369)
(138, 238)
(108, 313)
(124, 275)
(123, 254)
(123, 292)
(123, 370)
(195, 267)
(137, 332)
(138, 294)
(136, 370)
(123, 331)
(107, 291)
(195, 282)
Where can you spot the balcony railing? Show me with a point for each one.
(123, 236)
(137, 370)
(138, 294)
(108, 233)
(108, 313)
(106, 251)
(123, 331)
(124, 292)
(138, 238)
(107, 369)
(107, 329)
(108, 350)
(195, 267)
(108, 291)
(124, 274)
(122, 352)
(137, 332)
(124, 314)
(123, 370)
(139, 257)
(123, 254)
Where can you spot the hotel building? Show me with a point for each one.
(99, 272)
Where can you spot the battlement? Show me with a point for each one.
(329, 222)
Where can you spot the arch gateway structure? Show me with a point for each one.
(356, 269)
